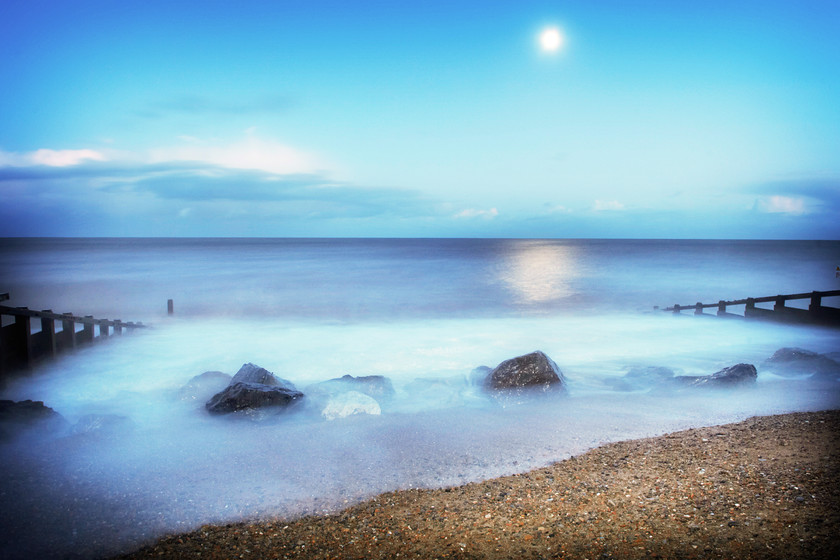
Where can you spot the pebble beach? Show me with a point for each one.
(767, 487)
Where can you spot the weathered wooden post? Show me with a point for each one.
(50, 344)
(698, 308)
(23, 339)
(170, 307)
(87, 330)
(749, 309)
(780, 303)
(815, 308)
(721, 308)
(103, 328)
(676, 308)
(68, 332)
(117, 326)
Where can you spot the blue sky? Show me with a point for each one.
(446, 118)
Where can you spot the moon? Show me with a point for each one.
(551, 39)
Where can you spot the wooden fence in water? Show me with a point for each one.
(21, 348)
(816, 313)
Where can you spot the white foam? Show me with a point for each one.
(174, 467)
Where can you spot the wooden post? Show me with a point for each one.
(23, 339)
(780, 304)
(103, 328)
(68, 332)
(170, 307)
(721, 308)
(48, 335)
(749, 309)
(87, 330)
(698, 308)
(676, 308)
(816, 302)
(117, 326)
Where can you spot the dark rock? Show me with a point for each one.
(733, 376)
(202, 387)
(24, 416)
(797, 361)
(249, 373)
(248, 396)
(251, 389)
(533, 372)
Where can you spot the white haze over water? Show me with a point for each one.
(311, 310)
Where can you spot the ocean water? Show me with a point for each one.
(424, 313)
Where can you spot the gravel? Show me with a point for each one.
(763, 488)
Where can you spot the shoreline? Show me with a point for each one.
(766, 487)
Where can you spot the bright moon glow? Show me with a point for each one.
(551, 40)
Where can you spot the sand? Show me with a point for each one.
(763, 488)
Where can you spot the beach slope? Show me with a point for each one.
(763, 488)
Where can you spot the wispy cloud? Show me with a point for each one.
(782, 205)
(251, 152)
(477, 213)
(607, 205)
(50, 158)
(799, 196)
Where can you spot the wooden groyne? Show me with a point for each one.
(20, 348)
(816, 313)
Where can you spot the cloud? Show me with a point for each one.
(50, 158)
(782, 205)
(607, 205)
(799, 196)
(477, 213)
(251, 152)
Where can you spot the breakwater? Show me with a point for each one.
(33, 336)
(816, 313)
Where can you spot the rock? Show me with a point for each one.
(348, 404)
(249, 373)
(532, 372)
(375, 386)
(437, 392)
(102, 425)
(733, 376)
(638, 378)
(202, 387)
(797, 361)
(249, 396)
(479, 375)
(25, 416)
(251, 389)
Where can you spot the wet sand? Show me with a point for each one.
(768, 487)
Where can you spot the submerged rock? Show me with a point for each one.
(638, 378)
(375, 386)
(534, 372)
(733, 376)
(479, 375)
(350, 403)
(203, 386)
(253, 388)
(25, 416)
(102, 424)
(797, 361)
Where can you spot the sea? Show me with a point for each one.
(137, 459)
